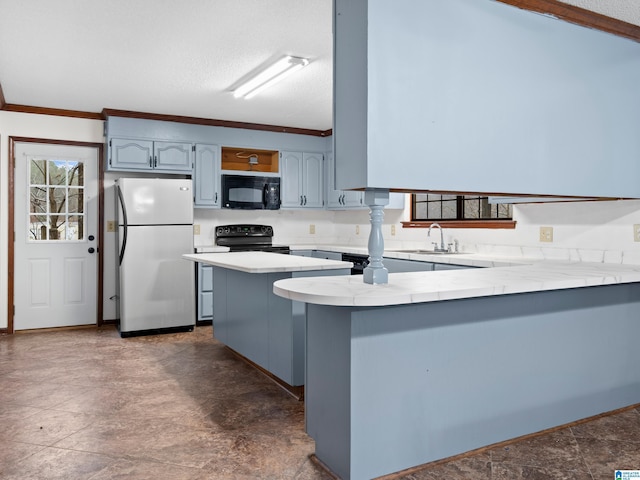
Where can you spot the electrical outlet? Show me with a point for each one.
(636, 233)
(111, 226)
(312, 229)
(196, 229)
(357, 229)
(393, 230)
(546, 234)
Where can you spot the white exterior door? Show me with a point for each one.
(56, 228)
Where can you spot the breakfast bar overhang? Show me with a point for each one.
(392, 386)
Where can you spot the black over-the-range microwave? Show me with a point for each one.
(250, 192)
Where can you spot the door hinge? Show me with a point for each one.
(193, 148)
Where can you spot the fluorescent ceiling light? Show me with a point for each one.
(270, 75)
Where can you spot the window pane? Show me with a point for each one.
(74, 228)
(434, 210)
(420, 211)
(57, 172)
(76, 173)
(38, 200)
(38, 172)
(471, 208)
(76, 200)
(38, 227)
(449, 197)
(57, 199)
(505, 210)
(485, 208)
(421, 197)
(450, 209)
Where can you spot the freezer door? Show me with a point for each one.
(156, 284)
(157, 201)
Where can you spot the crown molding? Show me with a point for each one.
(579, 16)
(110, 112)
(58, 112)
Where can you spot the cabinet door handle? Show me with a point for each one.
(305, 200)
(155, 161)
(150, 161)
(216, 198)
(301, 200)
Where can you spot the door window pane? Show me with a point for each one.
(57, 201)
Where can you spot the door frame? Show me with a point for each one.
(11, 221)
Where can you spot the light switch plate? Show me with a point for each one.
(111, 226)
(393, 230)
(312, 229)
(636, 232)
(196, 229)
(546, 234)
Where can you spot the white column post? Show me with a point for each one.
(375, 272)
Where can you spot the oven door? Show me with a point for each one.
(250, 192)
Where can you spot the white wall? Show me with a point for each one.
(35, 126)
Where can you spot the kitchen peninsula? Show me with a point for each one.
(434, 364)
(266, 329)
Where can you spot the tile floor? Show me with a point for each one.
(86, 404)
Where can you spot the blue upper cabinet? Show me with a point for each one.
(302, 184)
(480, 96)
(130, 154)
(206, 176)
(173, 156)
(146, 155)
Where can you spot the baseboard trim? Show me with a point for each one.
(296, 392)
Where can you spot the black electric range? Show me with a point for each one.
(248, 237)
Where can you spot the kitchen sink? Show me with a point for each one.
(430, 252)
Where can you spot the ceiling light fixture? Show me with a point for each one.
(270, 75)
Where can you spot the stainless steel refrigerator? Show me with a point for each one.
(155, 228)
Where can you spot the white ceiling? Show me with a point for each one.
(179, 57)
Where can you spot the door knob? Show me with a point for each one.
(91, 238)
(91, 250)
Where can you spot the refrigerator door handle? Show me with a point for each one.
(124, 224)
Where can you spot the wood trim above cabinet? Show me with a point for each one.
(58, 112)
(110, 112)
(579, 16)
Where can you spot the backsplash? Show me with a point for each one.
(582, 231)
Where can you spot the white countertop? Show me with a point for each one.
(266, 262)
(419, 287)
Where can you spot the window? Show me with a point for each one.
(57, 200)
(462, 208)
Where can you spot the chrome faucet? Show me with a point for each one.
(442, 247)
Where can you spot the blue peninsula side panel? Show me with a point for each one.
(389, 388)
